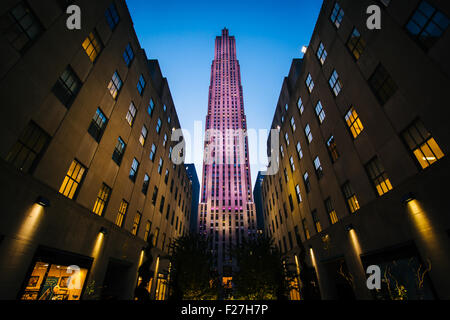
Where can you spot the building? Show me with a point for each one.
(85, 157)
(257, 197)
(195, 186)
(362, 152)
(227, 211)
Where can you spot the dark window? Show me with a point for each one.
(335, 83)
(332, 149)
(320, 112)
(308, 133)
(330, 211)
(158, 126)
(134, 170)
(427, 25)
(112, 17)
(318, 167)
(141, 84)
(155, 195)
(21, 27)
(307, 183)
(67, 87)
(151, 108)
(383, 86)
(161, 205)
(119, 151)
(153, 153)
(337, 15)
(29, 148)
(309, 83)
(98, 125)
(131, 114)
(291, 202)
(316, 220)
(297, 192)
(356, 44)
(145, 184)
(305, 229)
(128, 55)
(322, 53)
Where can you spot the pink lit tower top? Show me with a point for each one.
(227, 212)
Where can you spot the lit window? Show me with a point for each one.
(131, 115)
(73, 179)
(67, 87)
(128, 55)
(383, 86)
(134, 170)
(354, 123)
(136, 223)
(297, 192)
(299, 151)
(115, 85)
(427, 25)
(316, 220)
(309, 83)
(92, 46)
(335, 83)
(300, 106)
(153, 153)
(350, 197)
(102, 200)
(141, 84)
(308, 133)
(119, 151)
(322, 53)
(21, 27)
(332, 149)
(155, 238)
(123, 208)
(98, 125)
(145, 184)
(28, 150)
(379, 177)
(305, 229)
(148, 229)
(422, 144)
(356, 44)
(318, 167)
(112, 17)
(151, 108)
(143, 136)
(337, 15)
(332, 215)
(320, 112)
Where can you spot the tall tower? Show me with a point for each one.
(227, 211)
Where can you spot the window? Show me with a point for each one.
(156, 237)
(320, 112)
(309, 83)
(332, 149)
(143, 136)
(422, 144)
(293, 126)
(282, 151)
(134, 170)
(356, 44)
(136, 223)
(112, 17)
(297, 192)
(151, 108)
(160, 165)
(155, 195)
(165, 140)
(316, 220)
(166, 176)
(331, 212)
(148, 229)
(67, 87)
(115, 85)
(291, 203)
(98, 125)
(350, 197)
(92, 46)
(427, 25)
(378, 176)
(307, 183)
(21, 27)
(305, 229)
(123, 208)
(141, 85)
(383, 86)
(354, 123)
(300, 106)
(286, 138)
(73, 179)
(291, 161)
(102, 200)
(158, 126)
(145, 184)
(318, 167)
(119, 151)
(322, 53)
(29, 148)
(128, 55)
(161, 204)
(308, 133)
(337, 15)
(299, 151)
(153, 153)
(131, 115)
(335, 83)
(164, 108)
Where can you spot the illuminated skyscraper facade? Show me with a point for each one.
(227, 210)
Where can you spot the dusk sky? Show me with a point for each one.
(181, 34)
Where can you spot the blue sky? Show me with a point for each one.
(181, 34)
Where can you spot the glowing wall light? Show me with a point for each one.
(99, 242)
(354, 238)
(44, 202)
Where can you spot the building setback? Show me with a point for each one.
(227, 211)
(195, 186)
(85, 158)
(257, 197)
(362, 155)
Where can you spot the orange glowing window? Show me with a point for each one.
(379, 177)
(102, 200)
(92, 46)
(354, 122)
(350, 196)
(72, 180)
(121, 213)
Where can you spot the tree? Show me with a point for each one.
(308, 281)
(191, 271)
(145, 273)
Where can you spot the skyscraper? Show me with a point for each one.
(227, 211)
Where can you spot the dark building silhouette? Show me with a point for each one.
(257, 198)
(195, 187)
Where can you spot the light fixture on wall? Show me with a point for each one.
(104, 230)
(408, 198)
(349, 228)
(43, 201)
